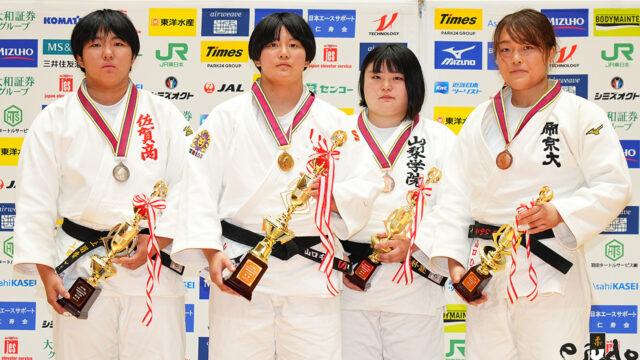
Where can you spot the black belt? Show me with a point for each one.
(545, 253)
(91, 239)
(297, 246)
(359, 251)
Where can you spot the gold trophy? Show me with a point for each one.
(120, 242)
(493, 258)
(254, 264)
(398, 222)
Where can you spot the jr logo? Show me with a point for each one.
(455, 344)
(625, 49)
(179, 48)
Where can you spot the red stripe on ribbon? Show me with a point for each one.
(324, 155)
(416, 199)
(385, 162)
(533, 275)
(146, 206)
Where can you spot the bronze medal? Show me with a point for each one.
(285, 161)
(121, 172)
(504, 159)
(389, 183)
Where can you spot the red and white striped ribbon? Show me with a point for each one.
(325, 157)
(148, 207)
(511, 291)
(418, 195)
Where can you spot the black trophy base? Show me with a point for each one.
(472, 283)
(363, 273)
(247, 275)
(82, 296)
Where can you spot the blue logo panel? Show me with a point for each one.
(204, 289)
(631, 149)
(56, 47)
(441, 87)
(625, 223)
(7, 216)
(19, 53)
(491, 57)
(365, 48)
(188, 317)
(261, 13)
(569, 22)
(458, 55)
(225, 22)
(332, 23)
(575, 84)
(17, 315)
(614, 319)
(203, 348)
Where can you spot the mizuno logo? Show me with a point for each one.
(458, 53)
(595, 131)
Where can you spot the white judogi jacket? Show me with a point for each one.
(66, 172)
(591, 185)
(238, 179)
(429, 145)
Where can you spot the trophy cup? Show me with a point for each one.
(254, 264)
(474, 281)
(120, 242)
(398, 222)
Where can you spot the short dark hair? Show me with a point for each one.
(104, 21)
(268, 30)
(527, 26)
(399, 59)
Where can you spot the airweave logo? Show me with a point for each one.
(458, 19)
(224, 51)
(458, 55)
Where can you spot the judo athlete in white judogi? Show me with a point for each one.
(73, 166)
(395, 320)
(234, 175)
(564, 142)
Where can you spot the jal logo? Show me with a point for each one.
(458, 55)
(441, 87)
(624, 49)
(209, 87)
(386, 21)
(614, 250)
(177, 49)
(569, 22)
(10, 345)
(65, 83)
(617, 83)
(330, 53)
(12, 116)
(171, 82)
(566, 53)
(19, 53)
(7, 247)
(10, 185)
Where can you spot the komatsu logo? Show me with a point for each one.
(61, 20)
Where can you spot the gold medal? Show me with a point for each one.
(285, 161)
(504, 159)
(389, 183)
(120, 172)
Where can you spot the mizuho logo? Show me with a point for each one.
(17, 53)
(567, 23)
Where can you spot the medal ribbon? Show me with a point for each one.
(327, 157)
(146, 206)
(533, 275)
(416, 199)
(385, 161)
(272, 120)
(119, 145)
(498, 110)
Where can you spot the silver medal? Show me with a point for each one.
(121, 172)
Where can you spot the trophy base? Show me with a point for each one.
(472, 283)
(247, 275)
(82, 296)
(363, 273)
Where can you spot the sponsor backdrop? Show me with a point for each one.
(196, 55)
